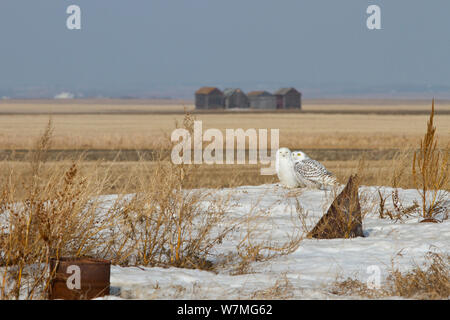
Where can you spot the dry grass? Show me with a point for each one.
(51, 210)
(56, 216)
(429, 176)
(281, 290)
(430, 172)
(399, 212)
(376, 173)
(166, 225)
(256, 244)
(432, 281)
(428, 282)
(354, 287)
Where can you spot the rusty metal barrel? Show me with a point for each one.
(79, 278)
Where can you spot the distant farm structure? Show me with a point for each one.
(262, 100)
(288, 98)
(209, 98)
(235, 98)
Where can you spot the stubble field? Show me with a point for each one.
(337, 132)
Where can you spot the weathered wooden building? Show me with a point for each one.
(288, 98)
(235, 98)
(209, 98)
(262, 100)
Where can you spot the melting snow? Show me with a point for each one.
(312, 267)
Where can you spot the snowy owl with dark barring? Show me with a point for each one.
(311, 172)
(284, 167)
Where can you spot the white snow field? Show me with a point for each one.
(306, 273)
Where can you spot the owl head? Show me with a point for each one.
(283, 153)
(299, 155)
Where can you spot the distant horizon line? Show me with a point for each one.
(186, 92)
(192, 100)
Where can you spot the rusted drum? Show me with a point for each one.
(432, 220)
(79, 278)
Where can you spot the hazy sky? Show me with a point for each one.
(127, 45)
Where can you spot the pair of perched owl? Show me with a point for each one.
(296, 169)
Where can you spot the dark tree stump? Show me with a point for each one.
(343, 218)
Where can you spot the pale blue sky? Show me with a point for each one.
(129, 47)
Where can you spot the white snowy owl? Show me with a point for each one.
(311, 172)
(284, 167)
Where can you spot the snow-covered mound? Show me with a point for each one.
(309, 270)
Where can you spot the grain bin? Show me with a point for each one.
(262, 100)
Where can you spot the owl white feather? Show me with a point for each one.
(284, 167)
(311, 172)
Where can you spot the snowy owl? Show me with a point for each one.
(311, 172)
(284, 167)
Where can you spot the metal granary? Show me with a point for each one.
(235, 98)
(262, 100)
(288, 98)
(209, 98)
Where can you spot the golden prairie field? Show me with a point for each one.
(333, 127)
(116, 124)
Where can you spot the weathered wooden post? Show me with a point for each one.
(343, 219)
